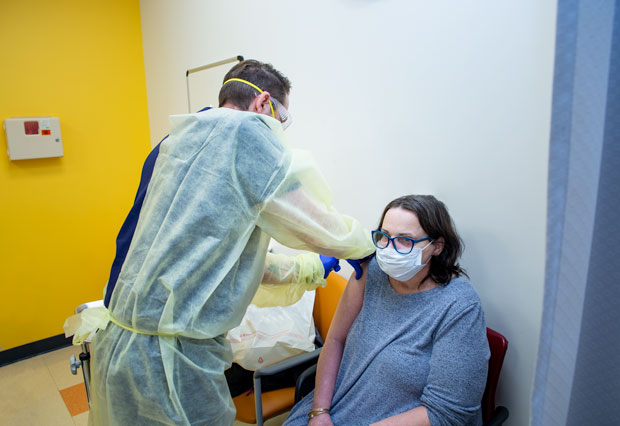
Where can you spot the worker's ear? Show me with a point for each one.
(261, 105)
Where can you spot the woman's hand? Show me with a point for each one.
(321, 420)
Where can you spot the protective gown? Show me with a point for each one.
(223, 184)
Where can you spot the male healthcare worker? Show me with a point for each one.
(224, 182)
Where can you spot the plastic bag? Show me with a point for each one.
(269, 335)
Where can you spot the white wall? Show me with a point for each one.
(396, 97)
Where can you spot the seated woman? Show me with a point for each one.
(407, 344)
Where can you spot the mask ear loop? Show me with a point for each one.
(429, 243)
(273, 114)
(428, 274)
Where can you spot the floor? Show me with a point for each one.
(42, 391)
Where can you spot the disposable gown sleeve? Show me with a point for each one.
(300, 215)
(286, 278)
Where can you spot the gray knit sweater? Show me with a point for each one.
(407, 350)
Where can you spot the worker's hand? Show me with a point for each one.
(357, 265)
(329, 264)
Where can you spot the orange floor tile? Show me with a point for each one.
(75, 399)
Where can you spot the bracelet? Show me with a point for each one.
(317, 412)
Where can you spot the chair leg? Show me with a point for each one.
(258, 401)
(85, 359)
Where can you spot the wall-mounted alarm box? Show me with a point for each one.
(33, 137)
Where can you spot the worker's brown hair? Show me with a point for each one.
(262, 75)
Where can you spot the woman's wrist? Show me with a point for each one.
(317, 412)
(320, 420)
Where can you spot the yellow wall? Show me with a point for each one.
(81, 61)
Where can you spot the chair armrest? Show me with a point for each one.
(274, 369)
(287, 363)
(305, 383)
(88, 305)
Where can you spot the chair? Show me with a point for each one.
(84, 357)
(491, 415)
(259, 406)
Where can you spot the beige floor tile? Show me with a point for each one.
(28, 396)
(60, 354)
(58, 364)
(10, 370)
(23, 382)
(81, 419)
(46, 410)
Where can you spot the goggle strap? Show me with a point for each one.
(273, 114)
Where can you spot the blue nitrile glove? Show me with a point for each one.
(329, 263)
(357, 265)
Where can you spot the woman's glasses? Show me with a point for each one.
(403, 245)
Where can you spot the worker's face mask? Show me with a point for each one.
(401, 267)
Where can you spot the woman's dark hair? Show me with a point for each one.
(436, 222)
(262, 75)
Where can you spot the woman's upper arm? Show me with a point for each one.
(349, 307)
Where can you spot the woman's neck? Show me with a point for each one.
(420, 282)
